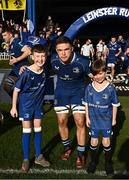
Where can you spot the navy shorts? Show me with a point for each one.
(95, 133)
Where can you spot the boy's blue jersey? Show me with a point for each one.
(15, 49)
(71, 75)
(32, 87)
(100, 104)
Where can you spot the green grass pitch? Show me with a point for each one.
(11, 152)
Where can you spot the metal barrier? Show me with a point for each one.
(4, 56)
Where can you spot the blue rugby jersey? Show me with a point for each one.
(71, 75)
(100, 105)
(15, 49)
(32, 87)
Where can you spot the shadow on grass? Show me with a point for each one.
(123, 157)
(116, 129)
(121, 176)
(47, 150)
(8, 122)
(49, 106)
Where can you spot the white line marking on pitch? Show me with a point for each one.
(53, 171)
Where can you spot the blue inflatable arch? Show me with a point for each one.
(84, 20)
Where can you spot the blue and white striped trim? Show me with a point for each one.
(62, 109)
(17, 89)
(107, 149)
(66, 142)
(93, 147)
(78, 109)
(81, 148)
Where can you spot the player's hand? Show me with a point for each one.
(88, 122)
(22, 69)
(13, 60)
(113, 122)
(13, 112)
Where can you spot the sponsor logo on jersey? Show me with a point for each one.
(43, 75)
(76, 70)
(66, 76)
(57, 67)
(32, 78)
(26, 115)
(105, 96)
(97, 102)
(108, 131)
(90, 93)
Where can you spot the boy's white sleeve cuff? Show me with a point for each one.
(17, 89)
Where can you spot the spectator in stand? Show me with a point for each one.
(17, 35)
(49, 22)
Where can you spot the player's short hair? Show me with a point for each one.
(98, 66)
(8, 29)
(64, 39)
(39, 49)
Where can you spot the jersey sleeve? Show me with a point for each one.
(21, 81)
(114, 100)
(85, 98)
(19, 43)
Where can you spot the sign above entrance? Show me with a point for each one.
(94, 15)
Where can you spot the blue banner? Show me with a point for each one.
(105, 12)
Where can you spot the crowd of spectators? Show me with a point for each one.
(51, 30)
(46, 35)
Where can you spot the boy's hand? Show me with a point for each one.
(22, 69)
(13, 112)
(113, 122)
(12, 61)
(88, 122)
